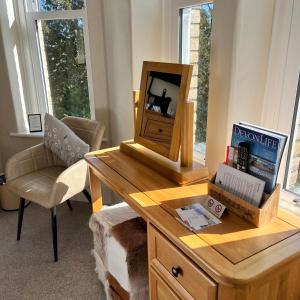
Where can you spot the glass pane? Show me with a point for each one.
(293, 173)
(196, 25)
(64, 67)
(51, 5)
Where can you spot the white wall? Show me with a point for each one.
(98, 68)
(146, 30)
(132, 30)
(222, 47)
(283, 72)
(250, 60)
(116, 17)
(240, 50)
(283, 69)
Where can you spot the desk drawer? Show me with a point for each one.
(159, 290)
(171, 259)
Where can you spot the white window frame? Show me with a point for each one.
(171, 34)
(36, 84)
(185, 35)
(282, 79)
(171, 26)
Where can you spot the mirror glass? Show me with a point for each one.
(160, 106)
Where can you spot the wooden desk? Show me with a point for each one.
(233, 260)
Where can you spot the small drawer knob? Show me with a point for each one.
(176, 271)
(160, 130)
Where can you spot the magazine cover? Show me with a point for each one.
(262, 145)
(266, 148)
(283, 137)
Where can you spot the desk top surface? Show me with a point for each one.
(233, 251)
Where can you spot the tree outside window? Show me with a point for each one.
(63, 60)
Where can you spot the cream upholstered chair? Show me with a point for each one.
(38, 175)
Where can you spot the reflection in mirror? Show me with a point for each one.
(161, 98)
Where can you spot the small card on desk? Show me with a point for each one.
(214, 206)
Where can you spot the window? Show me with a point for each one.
(292, 178)
(195, 44)
(58, 44)
(50, 5)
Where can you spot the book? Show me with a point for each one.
(240, 184)
(196, 217)
(266, 148)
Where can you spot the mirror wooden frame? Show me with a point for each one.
(185, 71)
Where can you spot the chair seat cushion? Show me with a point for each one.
(36, 186)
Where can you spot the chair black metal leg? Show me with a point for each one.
(54, 231)
(69, 205)
(87, 195)
(20, 217)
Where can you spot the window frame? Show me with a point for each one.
(28, 15)
(292, 142)
(172, 33)
(171, 26)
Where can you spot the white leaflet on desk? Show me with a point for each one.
(196, 217)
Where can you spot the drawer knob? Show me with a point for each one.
(160, 130)
(176, 271)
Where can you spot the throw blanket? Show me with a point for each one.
(120, 251)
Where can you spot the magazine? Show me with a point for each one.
(266, 148)
(260, 144)
(196, 217)
(282, 136)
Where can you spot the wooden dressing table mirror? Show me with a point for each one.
(164, 123)
(233, 260)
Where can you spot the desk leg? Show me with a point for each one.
(96, 195)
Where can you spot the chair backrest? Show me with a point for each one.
(88, 130)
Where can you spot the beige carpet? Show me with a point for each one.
(27, 270)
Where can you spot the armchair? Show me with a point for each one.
(38, 175)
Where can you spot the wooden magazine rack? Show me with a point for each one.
(257, 216)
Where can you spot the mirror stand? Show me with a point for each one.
(183, 172)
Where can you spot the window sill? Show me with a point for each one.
(287, 203)
(27, 134)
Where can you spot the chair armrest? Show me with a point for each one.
(70, 182)
(27, 161)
